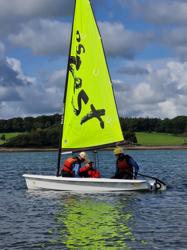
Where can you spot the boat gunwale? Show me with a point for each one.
(81, 179)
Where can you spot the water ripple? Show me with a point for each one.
(55, 220)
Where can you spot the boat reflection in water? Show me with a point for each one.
(93, 223)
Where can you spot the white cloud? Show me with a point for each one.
(13, 83)
(11, 73)
(18, 98)
(9, 94)
(34, 8)
(44, 37)
(14, 14)
(159, 11)
(16, 66)
(168, 107)
(167, 20)
(119, 41)
(176, 39)
(157, 88)
(57, 79)
(162, 94)
(8, 110)
(143, 93)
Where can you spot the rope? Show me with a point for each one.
(96, 159)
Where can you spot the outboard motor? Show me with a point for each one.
(156, 185)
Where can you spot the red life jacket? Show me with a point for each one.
(88, 171)
(123, 166)
(68, 165)
(93, 173)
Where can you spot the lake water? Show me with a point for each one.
(56, 220)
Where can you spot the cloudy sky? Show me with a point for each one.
(145, 43)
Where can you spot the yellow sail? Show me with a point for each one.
(90, 114)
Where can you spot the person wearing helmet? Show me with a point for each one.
(126, 167)
(71, 165)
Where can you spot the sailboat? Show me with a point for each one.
(90, 119)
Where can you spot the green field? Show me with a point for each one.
(143, 138)
(160, 139)
(8, 136)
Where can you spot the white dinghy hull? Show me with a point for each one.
(86, 184)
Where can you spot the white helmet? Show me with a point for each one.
(83, 155)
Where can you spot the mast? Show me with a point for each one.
(64, 99)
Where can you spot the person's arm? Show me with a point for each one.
(135, 166)
(86, 167)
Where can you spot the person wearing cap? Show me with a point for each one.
(125, 165)
(71, 165)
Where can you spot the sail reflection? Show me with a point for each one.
(93, 224)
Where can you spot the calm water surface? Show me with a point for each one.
(56, 220)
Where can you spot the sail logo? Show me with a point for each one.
(80, 96)
(96, 72)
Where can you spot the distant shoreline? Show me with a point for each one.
(6, 150)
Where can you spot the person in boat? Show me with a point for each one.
(126, 166)
(89, 171)
(71, 165)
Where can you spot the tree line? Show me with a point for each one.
(177, 125)
(44, 131)
(28, 124)
(36, 138)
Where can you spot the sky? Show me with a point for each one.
(145, 43)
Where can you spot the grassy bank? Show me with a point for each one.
(160, 139)
(8, 136)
